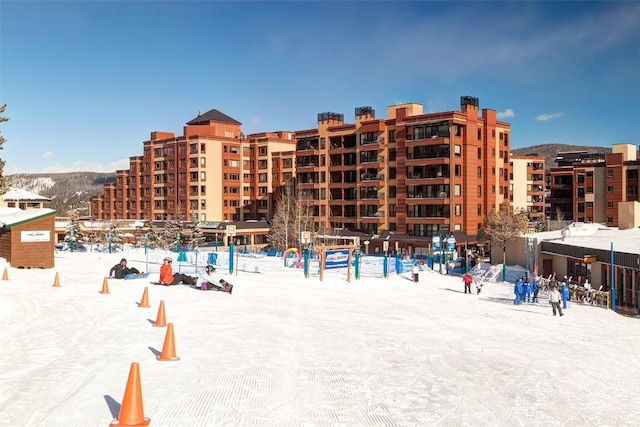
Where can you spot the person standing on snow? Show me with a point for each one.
(554, 300)
(535, 287)
(467, 279)
(415, 270)
(526, 290)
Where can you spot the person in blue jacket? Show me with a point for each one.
(526, 290)
(565, 294)
(535, 287)
(517, 290)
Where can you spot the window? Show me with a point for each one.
(609, 205)
(609, 188)
(493, 189)
(609, 173)
(479, 153)
(458, 210)
(479, 190)
(457, 150)
(458, 170)
(479, 172)
(609, 219)
(580, 178)
(392, 135)
(589, 190)
(589, 205)
(479, 210)
(589, 174)
(479, 134)
(456, 190)
(457, 227)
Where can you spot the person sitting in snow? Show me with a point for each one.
(167, 277)
(207, 281)
(120, 270)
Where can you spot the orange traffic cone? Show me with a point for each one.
(5, 275)
(169, 347)
(161, 321)
(131, 410)
(145, 298)
(105, 286)
(56, 281)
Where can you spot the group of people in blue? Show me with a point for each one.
(527, 291)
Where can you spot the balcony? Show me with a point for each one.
(372, 141)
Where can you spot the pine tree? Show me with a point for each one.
(4, 182)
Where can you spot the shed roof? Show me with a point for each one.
(17, 194)
(16, 216)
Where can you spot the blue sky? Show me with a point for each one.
(87, 81)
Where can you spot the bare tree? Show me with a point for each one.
(4, 182)
(293, 215)
(503, 225)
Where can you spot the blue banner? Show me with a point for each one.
(451, 244)
(435, 243)
(336, 258)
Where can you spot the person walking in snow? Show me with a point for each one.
(517, 290)
(554, 300)
(478, 284)
(467, 279)
(565, 294)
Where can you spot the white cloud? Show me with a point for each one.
(47, 154)
(88, 167)
(505, 114)
(549, 116)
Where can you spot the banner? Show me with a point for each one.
(336, 258)
(435, 243)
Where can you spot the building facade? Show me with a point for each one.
(413, 173)
(213, 172)
(589, 187)
(527, 183)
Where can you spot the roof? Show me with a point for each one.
(16, 194)
(16, 216)
(213, 116)
(623, 240)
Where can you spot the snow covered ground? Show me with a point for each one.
(285, 350)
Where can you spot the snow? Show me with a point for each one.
(285, 350)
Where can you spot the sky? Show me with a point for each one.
(85, 82)
(284, 350)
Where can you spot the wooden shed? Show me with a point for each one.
(27, 237)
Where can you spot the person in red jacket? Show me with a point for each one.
(467, 279)
(168, 278)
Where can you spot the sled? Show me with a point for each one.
(136, 276)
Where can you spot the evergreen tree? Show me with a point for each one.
(4, 182)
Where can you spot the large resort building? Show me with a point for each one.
(591, 187)
(413, 173)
